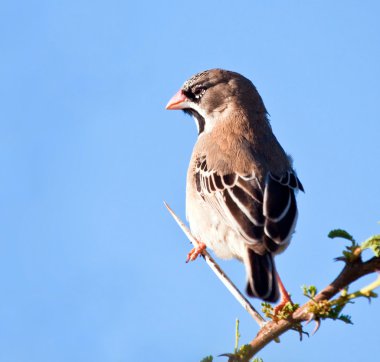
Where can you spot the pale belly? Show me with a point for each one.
(208, 226)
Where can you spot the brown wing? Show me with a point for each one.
(261, 216)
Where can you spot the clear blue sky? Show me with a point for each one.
(91, 264)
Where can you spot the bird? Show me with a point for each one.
(241, 185)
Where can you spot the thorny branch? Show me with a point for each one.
(220, 273)
(350, 273)
(270, 331)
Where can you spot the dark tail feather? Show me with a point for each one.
(261, 273)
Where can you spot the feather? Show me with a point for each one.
(261, 275)
(262, 218)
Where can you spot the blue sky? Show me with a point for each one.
(91, 264)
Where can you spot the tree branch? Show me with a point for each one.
(353, 270)
(350, 273)
(220, 273)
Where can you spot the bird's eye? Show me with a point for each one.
(198, 92)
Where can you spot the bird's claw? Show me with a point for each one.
(195, 252)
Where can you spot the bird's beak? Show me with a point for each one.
(178, 101)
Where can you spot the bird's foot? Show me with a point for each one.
(195, 252)
(286, 306)
(280, 306)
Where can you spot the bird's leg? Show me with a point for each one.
(194, 253)
(285, 296)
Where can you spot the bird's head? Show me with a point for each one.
(210, 95)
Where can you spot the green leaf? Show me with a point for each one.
(267, 309)
(345, 318)
(207, 359)
(340, 233)
(372, 243)
(309, 291)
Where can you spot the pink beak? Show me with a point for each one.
(177, 101)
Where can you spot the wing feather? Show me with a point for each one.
(261, 216)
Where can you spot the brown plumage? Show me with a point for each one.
(241, 186)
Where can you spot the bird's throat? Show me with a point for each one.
(200, 121)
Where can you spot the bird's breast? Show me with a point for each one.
(209, 227)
